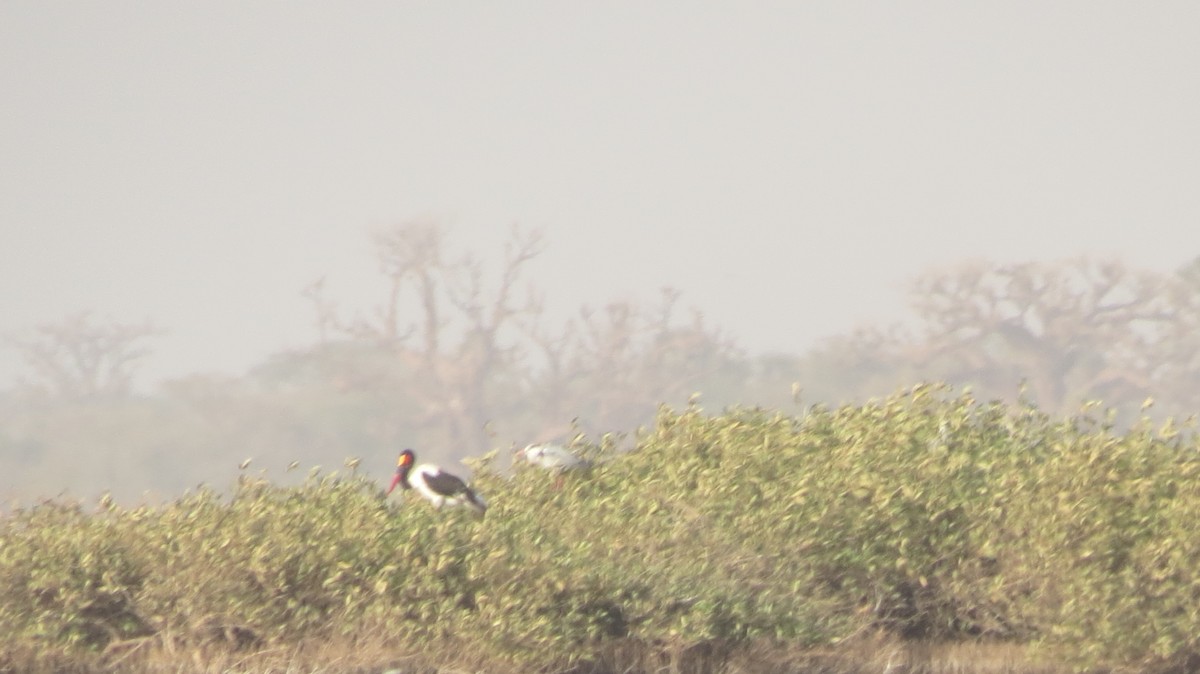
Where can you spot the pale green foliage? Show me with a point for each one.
(923, 515)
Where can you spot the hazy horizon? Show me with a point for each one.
(787, 167)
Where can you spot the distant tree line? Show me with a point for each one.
(1066, 332)
(458, 355)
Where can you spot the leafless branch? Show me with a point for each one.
(82, 358)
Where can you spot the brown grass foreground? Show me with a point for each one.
(377, 655)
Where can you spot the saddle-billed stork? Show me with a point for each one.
(436, 485)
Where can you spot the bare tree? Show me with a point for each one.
(83, 358)
(1174, 363)
(480, 347)
(619, 363)
(1069, 329)
(440, 317)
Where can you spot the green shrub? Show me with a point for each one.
(925, 515)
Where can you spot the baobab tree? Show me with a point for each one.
(82, 358)
(1070, 330)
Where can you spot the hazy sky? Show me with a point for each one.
(788, 166)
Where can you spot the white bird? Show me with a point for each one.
(553, 457)
(436, 485)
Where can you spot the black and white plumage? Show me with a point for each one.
(436, 485)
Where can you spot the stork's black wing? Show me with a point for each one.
(446, 484)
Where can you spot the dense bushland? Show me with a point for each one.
(923, 516)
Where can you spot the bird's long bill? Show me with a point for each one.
(395, 481)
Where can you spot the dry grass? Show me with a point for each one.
(888, 656)
(959, 658)
(378, 656)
